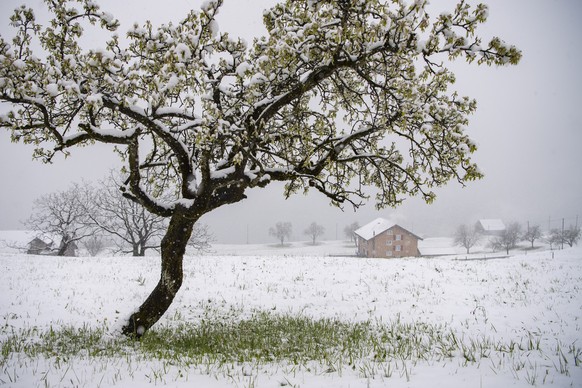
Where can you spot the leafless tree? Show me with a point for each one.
(314, 231)
(532, 234)
(135, 230)
(61, 215)
(349, 231)
(508, 238)
(94, 244)
(571, 235)
(201, 238)
(558, 237)
(555, 238)
(282, 230)
(467, 236)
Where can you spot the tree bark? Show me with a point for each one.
(173, 247)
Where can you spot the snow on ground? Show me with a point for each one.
(535, 297)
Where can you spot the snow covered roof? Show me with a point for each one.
(493, 224)
(374, 228)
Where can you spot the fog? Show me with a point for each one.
(527, 127)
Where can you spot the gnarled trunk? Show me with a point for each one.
(173, 247)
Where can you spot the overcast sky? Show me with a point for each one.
(527, 127)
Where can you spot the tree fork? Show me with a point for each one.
(173, 248)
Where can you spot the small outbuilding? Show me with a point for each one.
(385, 239)
(39, 247)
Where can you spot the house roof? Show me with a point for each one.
(493, 224)
(374, 228)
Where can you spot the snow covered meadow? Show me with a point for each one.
(450, 321)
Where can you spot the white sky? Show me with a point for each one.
(527, 127)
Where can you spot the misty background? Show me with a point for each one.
(527, 128)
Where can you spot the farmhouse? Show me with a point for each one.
(385, 239)
(490, 227)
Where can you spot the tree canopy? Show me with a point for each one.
(316, 103)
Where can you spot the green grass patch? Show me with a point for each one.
(263, 338)
(267, 338)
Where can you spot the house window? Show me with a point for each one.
(390, 232)
(398, 237)
(388, 253)
(398, 248)
(389, 242)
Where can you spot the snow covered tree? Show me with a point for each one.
(61, 216)
(339, 95)
(467, 237)
(282, 231)
(532, 234)
(314, 231)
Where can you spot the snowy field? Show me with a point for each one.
(523, 313)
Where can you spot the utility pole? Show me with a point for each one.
(562, 233)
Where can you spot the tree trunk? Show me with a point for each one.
(140, 249)
(173, 247)
(63, 246)
(62, 250)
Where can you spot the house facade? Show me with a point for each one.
(384, 239)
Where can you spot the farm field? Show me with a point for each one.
(450, 321)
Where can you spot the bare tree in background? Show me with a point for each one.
(201, 238)
(94, 244)
(569, 236)
(314, 231)
(555, 238)
(467, 236)
(282, 231)
(349, 231)
(508, 239)
(134, 229)
(532, 234)
(61, 215)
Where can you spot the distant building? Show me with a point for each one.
(385, 239)
(490, 227)
(39, 247)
